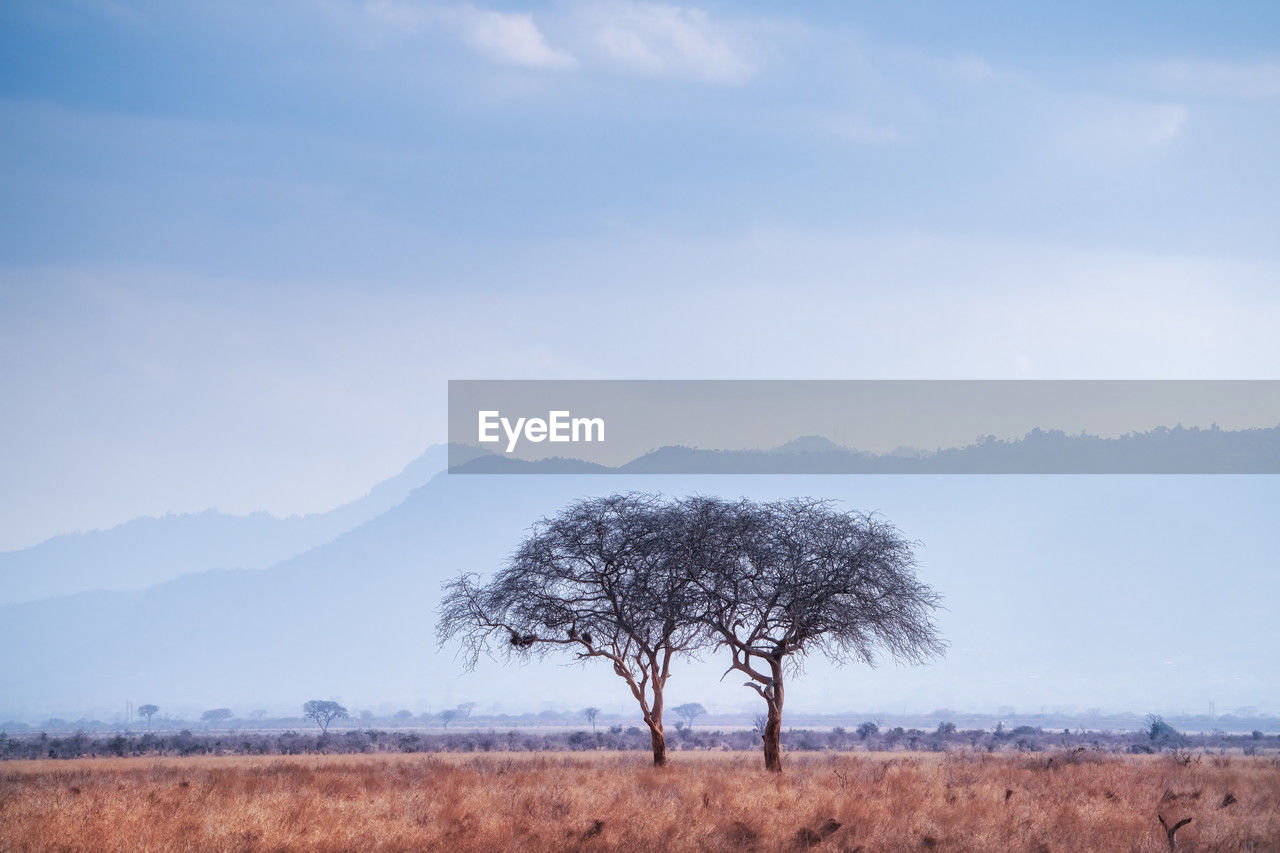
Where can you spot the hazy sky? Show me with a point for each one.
(243, 245)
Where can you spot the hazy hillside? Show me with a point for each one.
(1090, 595)
(1158, 451)
(1161, 450)
(147, 551)
(352, 612)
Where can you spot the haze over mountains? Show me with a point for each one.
(1135, 593)
(147, 551)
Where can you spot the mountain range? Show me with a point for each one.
(1176, 450)
(150, 550)
(1138, 592)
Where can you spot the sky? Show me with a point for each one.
(244, 245)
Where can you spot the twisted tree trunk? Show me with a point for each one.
(773, 739)
(773, 724)
(659, 745)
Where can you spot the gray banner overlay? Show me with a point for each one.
(864, 426)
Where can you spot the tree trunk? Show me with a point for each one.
(773, 739)
(773, 694)
(659, 746)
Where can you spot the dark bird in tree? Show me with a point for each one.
(595, 581)
(779, 581)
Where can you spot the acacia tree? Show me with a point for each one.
(323, 712)
(690, 711)
(213, 716)
(591, 714)
(459, 712)
(596, 581)
(148, 711)
(783, 580)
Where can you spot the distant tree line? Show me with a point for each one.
(868, 737)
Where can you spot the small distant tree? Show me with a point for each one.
(946, 728)
(148, 711)
(448, 716)
(591, 714)
(867, 729)
(214, 716)
(323, 712)
(689, 712)
(1161, 732)
(403, 716)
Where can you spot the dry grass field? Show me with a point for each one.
(702, 801)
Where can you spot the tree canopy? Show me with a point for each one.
(638, 581)
(595, 581)
(323, 712)
(217, 715)
(782, 580)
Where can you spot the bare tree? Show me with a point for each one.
(148, 711)
(690, 711)
(591, 714)
(783, 580)
(597, 581)
(458, 712)
(323, 712)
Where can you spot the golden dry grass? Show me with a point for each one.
(607, 801)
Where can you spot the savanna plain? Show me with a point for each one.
(700, 801)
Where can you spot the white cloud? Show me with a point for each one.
(1220, 79)
(1120, 126)
(394, 15)
(638, 38)
(856, 130)
(1161, 123)
(659, 40)
(510, 38)
(970, 69)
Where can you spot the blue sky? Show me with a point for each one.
(243, 245)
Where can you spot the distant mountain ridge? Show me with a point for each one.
(1178, 450)
(354, 619)
(146, 551)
